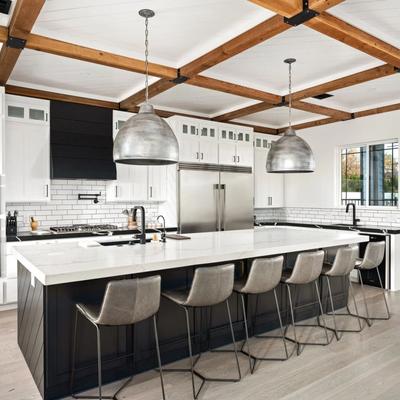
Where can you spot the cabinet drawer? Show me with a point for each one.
(11, 290)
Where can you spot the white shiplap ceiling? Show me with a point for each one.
(185, 29)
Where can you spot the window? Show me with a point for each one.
(369, 174)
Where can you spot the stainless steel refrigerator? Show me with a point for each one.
(214, 198)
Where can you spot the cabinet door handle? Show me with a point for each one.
(46, 190)
(116, 191)
(234, 158)
(202, 156)
(238, 158)
(151, 191)
(197, 155)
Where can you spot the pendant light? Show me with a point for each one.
(145, 138)
(290, 154)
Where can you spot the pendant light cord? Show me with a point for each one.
(146, 54)
(290, 95)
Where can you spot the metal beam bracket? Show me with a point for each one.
(283, 102)
(303, 16)
(180, 78)
(15, 43)
(353, 116)
(397, 69)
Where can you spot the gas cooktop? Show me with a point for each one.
(82, 228)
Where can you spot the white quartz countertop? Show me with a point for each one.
(61, 263)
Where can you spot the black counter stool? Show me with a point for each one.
(125, 302)
(307, 269)
(210, 286)
(373, 257)
(264, 276)
(341, 267)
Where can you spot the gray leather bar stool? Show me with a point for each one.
(210, 286)
(125, 302)
(373, 257)
(344, 262)
(264, 276)
(307, 269)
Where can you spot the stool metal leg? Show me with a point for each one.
(368, 319)
(349, 313)
(247, 337)
(384, 298)
(293, 323)
(335, 329)
(158, 355)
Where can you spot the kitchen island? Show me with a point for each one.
(53, 277)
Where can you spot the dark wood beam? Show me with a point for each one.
(377, 110)
(346, 81)
(348, 34)
(22, 21)
(3, 34)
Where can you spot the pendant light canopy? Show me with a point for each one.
(290, 154)
(145, 138)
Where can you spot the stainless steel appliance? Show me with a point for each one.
(82, 228)
(214, 198)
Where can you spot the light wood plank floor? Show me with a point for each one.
(362, 366)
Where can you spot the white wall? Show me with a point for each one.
(318, 189)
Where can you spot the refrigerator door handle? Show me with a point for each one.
(223, 197)
(217, 206)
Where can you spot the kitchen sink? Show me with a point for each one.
(120, 243)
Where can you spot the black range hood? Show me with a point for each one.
(81, 142)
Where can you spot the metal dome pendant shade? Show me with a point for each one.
(290, 154)
(145, 138)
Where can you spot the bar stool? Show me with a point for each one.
(307, 269)
(342, 265)
(125, 302)
(264, 276)
(210, 286)
(373, 257)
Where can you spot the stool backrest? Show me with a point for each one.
(265, 275)
(211, 285)
(373, 256)
(128, 301)
(345, 261)
(307, 268)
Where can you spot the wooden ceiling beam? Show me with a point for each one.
(256, 35)
(241, 112)
(346, 81)
(317, 109)
(3, 34)
(232, 88)
(377, 110)
(22, 21)
(77, 52)
(348, 34)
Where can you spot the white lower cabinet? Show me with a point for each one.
(268, 187)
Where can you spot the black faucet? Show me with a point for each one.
(142, 235)
(163, 232)
(355, 220)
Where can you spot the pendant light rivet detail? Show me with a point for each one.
(290, 154)
(145, 138)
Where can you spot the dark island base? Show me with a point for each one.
(46, 316)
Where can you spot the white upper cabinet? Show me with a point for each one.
(236, 145)
(268, 187)
(27, 149)
(198, 139)
(135, 183)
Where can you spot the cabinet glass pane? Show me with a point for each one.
(37, 115)
(120, 124)
(265, 143)
(240, 137)
(16, 112)
(231, 135)
(185, 129)
(204, 132)
(223, 134)
(192, 130)
(258, 142)
(212, 132)
(247, 137)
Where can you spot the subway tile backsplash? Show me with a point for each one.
(65, 208)
(379, 217)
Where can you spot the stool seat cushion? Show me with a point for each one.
(326, 267)
(358, 263)
(90, 311)
(178, 296)
(239, 285)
